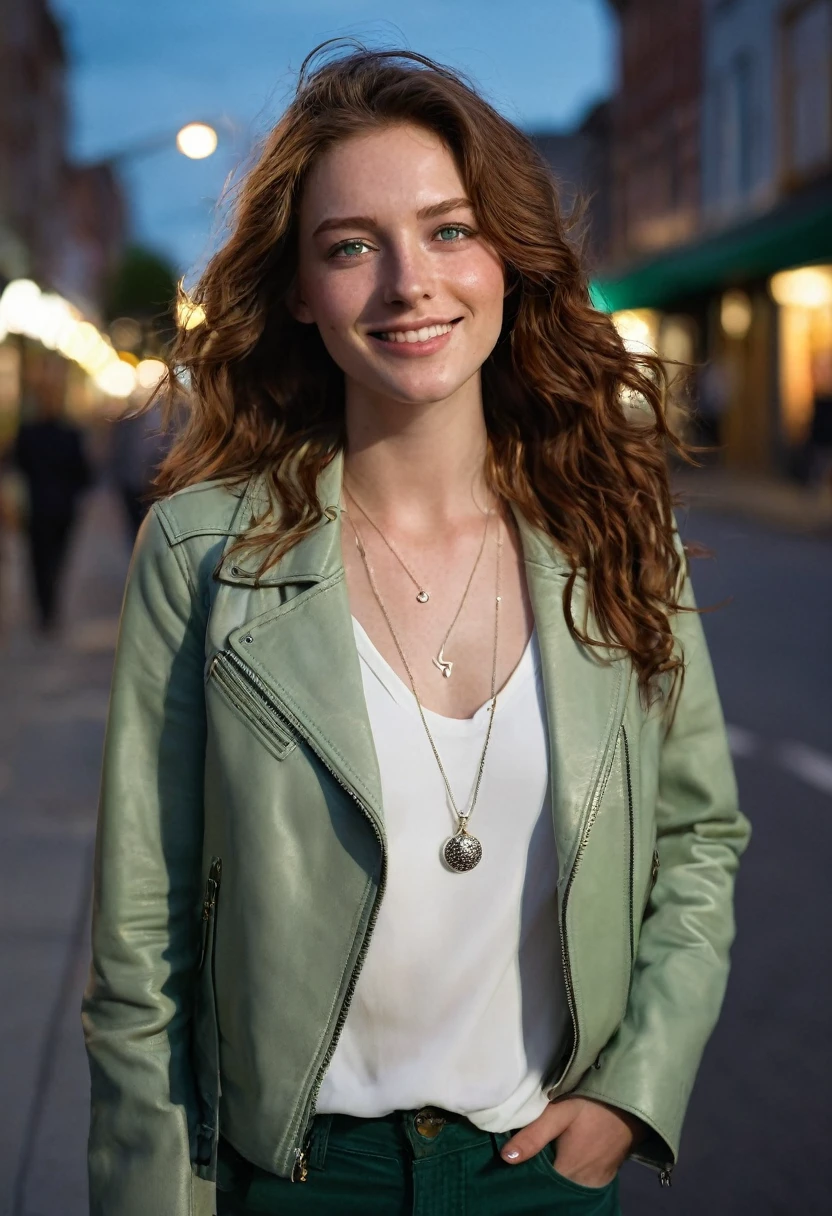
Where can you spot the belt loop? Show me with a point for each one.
(320, 1140)
(499, 1140)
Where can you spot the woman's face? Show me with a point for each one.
(406, 295)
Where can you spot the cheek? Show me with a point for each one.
(335, 300)
(482, 283)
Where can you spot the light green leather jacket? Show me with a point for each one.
(241, 857)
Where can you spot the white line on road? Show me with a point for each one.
(807, 763)
(741, 741)
(811, 766)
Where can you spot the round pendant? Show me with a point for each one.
(462, 852)
(423, 597)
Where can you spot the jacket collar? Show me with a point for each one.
(303, 648)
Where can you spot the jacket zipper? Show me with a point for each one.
(238, 691)
(300, 1170)
(209, 902)
(598, 795)
(207, 1131)
(632, 827)
(664, 1171)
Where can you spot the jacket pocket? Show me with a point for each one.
(241, 694)
(206, 1031)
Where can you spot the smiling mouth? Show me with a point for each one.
(415, 335)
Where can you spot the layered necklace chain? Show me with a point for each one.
(445, 666)
(461, 851)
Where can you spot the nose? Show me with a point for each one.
(408, 275)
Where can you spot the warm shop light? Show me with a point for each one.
(188, 314)
(735, 314)
(197, 140)
(149, 373)
(56, 319)
(19, 305)
(638, 328)
(51, 320)
(117, 379)
(807, 287)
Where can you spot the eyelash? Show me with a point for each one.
(463, 228)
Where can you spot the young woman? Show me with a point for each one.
(416, 851)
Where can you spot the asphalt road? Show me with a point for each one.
(757, 1134)
(756, 1140)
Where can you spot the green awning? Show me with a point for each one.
(796, 233)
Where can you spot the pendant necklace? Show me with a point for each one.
(422, 596)
(445, 666)
(462, 851)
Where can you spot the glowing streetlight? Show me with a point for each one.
(197, 140)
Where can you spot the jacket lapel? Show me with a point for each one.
(585, 690)
(303, 650)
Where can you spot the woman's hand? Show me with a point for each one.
(593, 1139)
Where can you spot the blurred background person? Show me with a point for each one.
(138, 445)
(49, 454)
(820, 434)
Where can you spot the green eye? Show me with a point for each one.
(350, 249)
(456, 231)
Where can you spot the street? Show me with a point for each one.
(756, 1138)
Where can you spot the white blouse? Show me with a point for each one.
(460, 1002)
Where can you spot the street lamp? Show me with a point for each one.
(196, 140)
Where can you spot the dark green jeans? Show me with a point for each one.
(411, 1163)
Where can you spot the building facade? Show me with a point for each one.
(62, 225)
(747, 274)
(33, 135)
(656, 123)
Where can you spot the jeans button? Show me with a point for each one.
(429, 1123)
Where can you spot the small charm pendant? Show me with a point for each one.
(445, 665)
(423, 597)
(463, 851)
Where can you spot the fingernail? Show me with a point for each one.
(512, 1156)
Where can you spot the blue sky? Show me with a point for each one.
(146, 68)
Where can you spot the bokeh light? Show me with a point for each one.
(197, 140)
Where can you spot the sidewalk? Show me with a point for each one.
(53, 701)
(777, 503)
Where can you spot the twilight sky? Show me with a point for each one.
(145, 67)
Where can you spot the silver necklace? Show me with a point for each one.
(445, 666)
(462, 851)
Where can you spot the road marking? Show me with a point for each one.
(741, 741)
(810, 765)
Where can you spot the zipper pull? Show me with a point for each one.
(655, 872)
(300, 1170)
(211, 888)
(664, 1176)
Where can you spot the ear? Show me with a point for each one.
(297, 306)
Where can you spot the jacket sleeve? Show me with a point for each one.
(681, 966)
(137, 1004)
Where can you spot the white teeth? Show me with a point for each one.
(416, 335)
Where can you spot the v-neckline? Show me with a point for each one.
(402, 693)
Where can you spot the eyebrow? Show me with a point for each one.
(368, 221)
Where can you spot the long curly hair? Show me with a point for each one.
(578, 439)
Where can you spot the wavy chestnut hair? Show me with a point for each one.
(564, 445)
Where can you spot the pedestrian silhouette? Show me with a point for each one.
(139, 445)
(49, 453)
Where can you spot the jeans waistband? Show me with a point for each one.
(425, 1132)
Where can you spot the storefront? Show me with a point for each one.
(751, 307)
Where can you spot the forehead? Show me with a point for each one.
(398, 168)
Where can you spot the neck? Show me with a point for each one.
(424, 464)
